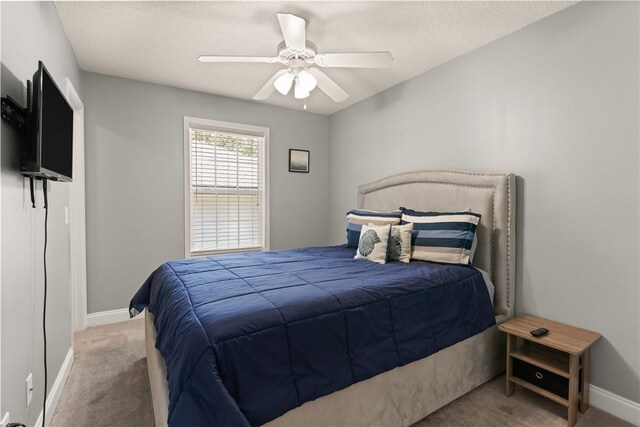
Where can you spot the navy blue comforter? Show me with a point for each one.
(247, 337)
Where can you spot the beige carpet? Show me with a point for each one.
(108, 386)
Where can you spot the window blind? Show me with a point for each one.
(227, 191)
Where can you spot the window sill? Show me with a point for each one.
(201, 254)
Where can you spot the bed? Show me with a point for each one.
(388, 382)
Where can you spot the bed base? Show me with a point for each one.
(407, 394)
(399, 397)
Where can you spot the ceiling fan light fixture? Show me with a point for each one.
(297, 53)
(300, 92)
(283, 83)
(307, 80)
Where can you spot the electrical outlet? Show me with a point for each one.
(29, 389)
(5, 420)
(66, 215)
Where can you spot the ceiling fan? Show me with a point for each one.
(299, 55)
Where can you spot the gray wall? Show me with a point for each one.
(134, 178)
(557, 104)
(31, 32)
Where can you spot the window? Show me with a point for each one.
(225, 187)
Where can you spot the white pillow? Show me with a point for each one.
(400, 242)
(373, 243)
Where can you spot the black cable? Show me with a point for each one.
(33, 196)
(44, 305)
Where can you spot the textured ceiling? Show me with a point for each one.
(159, 42)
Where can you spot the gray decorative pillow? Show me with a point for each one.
(373, 243)
(400, 242)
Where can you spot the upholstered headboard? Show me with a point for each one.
(491, 195)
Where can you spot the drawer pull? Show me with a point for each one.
(539, 375)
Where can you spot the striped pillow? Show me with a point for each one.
(359, 217)
(447, 237)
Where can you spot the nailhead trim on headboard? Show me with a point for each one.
(508, 277)
(508, 296)
(493, 234)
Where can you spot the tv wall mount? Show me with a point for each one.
(14, 113)
(20, 118)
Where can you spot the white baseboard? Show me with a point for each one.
(619, 406)
(111, 316)
(56, 389)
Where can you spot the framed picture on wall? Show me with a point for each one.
(299, 160)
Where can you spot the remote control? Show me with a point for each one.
(539, 332)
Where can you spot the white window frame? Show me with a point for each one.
(229, 127)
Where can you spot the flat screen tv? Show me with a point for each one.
(50, 151)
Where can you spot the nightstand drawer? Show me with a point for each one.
(542, 378)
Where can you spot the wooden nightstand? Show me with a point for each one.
(555, 365)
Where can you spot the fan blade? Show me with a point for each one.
(355, 60)
(268, 88)
(226, 59)
(293, 30)
(328, 86)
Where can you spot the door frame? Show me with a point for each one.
(77, 222)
